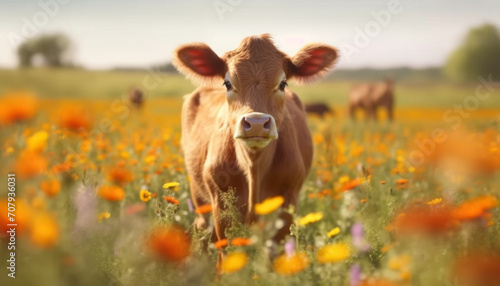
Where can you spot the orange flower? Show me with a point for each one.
(324, 175)
(221, 243)
(30, 164)
(15, 107)
(171, 200)
(386, 248)
(478, 269)
(241, 241)
(22, 218)
(424, 219)
(44, 231)
(289, 265)
(171, 244)
(351, 184)
(203, 209)
(112, 193)
(50, 187)
(74, 118)
(475, 208)
(402, 181)
(61, 168)
(120, 175)
(135, 208)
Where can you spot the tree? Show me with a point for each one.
(479, 55)
(52, 48)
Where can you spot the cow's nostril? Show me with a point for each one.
(246, 124)
(267, 125)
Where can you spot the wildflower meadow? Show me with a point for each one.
(101, 197)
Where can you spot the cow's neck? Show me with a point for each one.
(256, 163)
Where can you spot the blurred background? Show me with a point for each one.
(98, 49)
(406, 130)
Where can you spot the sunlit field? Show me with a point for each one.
(102, 195)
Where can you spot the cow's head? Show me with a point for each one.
(255, 76)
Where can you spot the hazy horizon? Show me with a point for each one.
(108, 34)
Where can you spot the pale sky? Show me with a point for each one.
(110, 33)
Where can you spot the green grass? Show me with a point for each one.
(74, 83)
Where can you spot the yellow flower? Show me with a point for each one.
(310, 218)
(150, 159)
(37, 142)
(334, 232)
(333, 253)
(435, 201)
(174, 186)
(399, 262)
(234, 262)
(145, 195)
(269, 205)
(45, 231)
(344, 179)
(289, 265)
(102, 216)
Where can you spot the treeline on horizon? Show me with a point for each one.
(477, 55)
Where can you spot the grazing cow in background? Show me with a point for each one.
(318, 108)
(136, 97)
(250, 134)
(370, 97)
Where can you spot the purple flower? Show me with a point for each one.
(290, 247)
(358, 240)
(355, 275)
(190, 205)
(357, 231)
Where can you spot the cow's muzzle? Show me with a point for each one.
(256, 129)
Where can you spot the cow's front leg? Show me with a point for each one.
(218, 208)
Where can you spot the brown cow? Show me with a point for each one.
(136, 97)
(318, 108)
(251, 134)
(370, 97)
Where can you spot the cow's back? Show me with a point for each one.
(381, 93)
(360, 95)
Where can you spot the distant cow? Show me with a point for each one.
(136, 97)
(370, 97)
(318, 108)
(251, 134)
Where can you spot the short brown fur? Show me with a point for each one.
(369, 97)
(216, 162)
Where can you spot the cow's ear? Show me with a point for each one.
(311, 63)
(199, 62)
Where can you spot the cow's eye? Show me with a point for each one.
(282, 86)
(228, 85)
